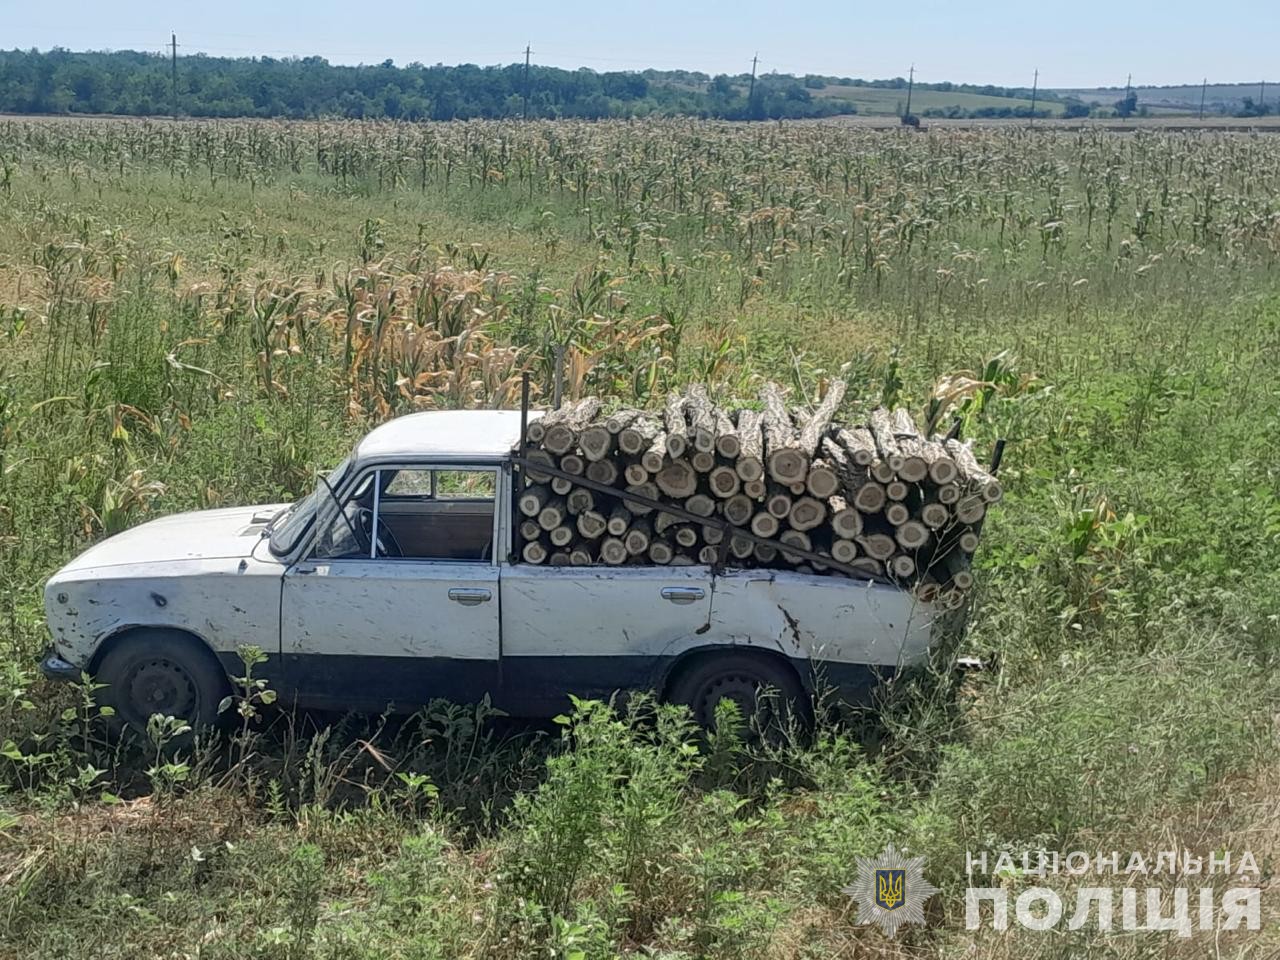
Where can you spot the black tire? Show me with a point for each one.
(161, 671)
(740, 677)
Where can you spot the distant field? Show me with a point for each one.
(1217, 96)
(879, 101)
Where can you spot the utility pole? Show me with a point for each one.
(1035, 86)
(527, 51)
(173, 45)
(1204, 88)
(911, 82)
(751, 91)
(1262, 100)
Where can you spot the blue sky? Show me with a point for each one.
(1086, 43)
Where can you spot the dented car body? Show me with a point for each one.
(395, 582)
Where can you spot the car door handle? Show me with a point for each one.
(469, 596)
(682, 594)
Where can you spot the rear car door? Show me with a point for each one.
(396, 601)
(592, 630)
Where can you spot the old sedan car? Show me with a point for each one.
(394, 582)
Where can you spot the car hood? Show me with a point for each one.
(200, 535)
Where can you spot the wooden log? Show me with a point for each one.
(559, 439)
(779, 505)
(639, 537)
(914, 466)
(807, 513)
(529, 530)
(604, 471)
(619, 420)
(677, 427)
(815, 427)
(860, 445)
(636, 436)
(765, 553)
(709, 554)
(700, 504)
(741, 548)
(971, 509)
(661, 553)
(664, 522)
(870, 497)
(902, 566)
(635, 474)
(592, 524)
(784, 460)
(580, 500)
(534, 552)
(724, 482)
(926, 591)
(727, 444)
(953, 570)
(948, 493)
(533, 499)
(682, 560)
(619, 520)
(712, 535)
(935, 516)
(878, 546)
(702, 420)
(987, 486)
(596, 441)
(823, 480)
(580, 557)
(534, 431)
(882, 472)
(846, 521)
(755, 489)
(552, 514)
(886, 444)
(968, 541)
(560, 558)
(655, 457)
(797, 489)
(795, 538)
(563, 426)
(677, 479)
(896, 490)
(561, 536)
(869, 565)
(686, 536)
(561, 485)
(942, 468)
(750, 462)
(648, 489)
(896, 513)
(702, 461)
(738, 510)
(764, 525)
(912, 535)
(844, 550)
(613, 551)
(540, 456)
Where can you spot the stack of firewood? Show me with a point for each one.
(879, 498)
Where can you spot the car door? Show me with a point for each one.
(406, 615)
(591, 631)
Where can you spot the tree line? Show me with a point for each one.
(142, 84)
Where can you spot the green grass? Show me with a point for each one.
(876, 101)
(1128, 598)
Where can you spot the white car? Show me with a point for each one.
(394, 582)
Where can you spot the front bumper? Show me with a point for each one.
(55, 668)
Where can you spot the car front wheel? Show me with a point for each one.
(163, 672)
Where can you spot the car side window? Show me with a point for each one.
(425, 514)
(346, 538)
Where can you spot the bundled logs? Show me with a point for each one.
(879, 497)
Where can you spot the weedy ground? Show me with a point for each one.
(203, 314)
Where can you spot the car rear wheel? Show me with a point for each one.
(767, 693)
(161, 672)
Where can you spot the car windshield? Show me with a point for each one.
(287, 529)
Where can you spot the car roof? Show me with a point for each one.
(445, 434)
